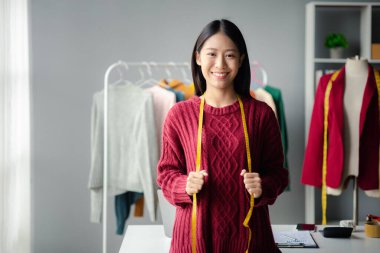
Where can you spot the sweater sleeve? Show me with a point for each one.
(96, 170)
(171, 170)
(274, 177)
(312, 166)
(95, 182)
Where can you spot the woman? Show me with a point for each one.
(222, 187)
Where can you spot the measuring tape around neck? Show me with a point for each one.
(377, 78)
(198, 165)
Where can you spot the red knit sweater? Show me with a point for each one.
(223, 201)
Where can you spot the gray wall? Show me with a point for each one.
(73, 43)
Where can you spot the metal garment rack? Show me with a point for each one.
(127, 66)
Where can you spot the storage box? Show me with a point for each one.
(372, 230)
(376, 51)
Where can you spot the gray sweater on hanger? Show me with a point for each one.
(132, 148)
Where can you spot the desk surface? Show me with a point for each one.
(151, 238)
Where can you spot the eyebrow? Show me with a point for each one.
(211, 48)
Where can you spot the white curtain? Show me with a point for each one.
(15, 188)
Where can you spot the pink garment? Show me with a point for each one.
(163, 100)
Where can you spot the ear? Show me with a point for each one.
(198, 58)
(241, 60)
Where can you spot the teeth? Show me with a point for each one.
(220, 74)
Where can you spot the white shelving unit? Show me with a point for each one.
(356, 20)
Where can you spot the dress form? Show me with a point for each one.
(355, 83)
(356, 75)
(356, 78)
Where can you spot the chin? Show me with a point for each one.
(223, 85)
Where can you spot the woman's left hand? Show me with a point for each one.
(252, 182)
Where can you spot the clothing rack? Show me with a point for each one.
(112, 67)
(148, 66)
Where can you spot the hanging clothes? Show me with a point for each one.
(188, 90)
(280, 111)
(163, 100)
(123, 203)
(369, 133)
(263, 95)
(179, 95)
(132, 147)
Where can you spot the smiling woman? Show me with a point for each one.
(215, 187)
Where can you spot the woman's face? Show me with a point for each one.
(220, 61)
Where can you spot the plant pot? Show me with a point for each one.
(336, 53)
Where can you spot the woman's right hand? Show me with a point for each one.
(195, 181)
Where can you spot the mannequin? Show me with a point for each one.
(356, 75)
(355, 82)
(350, 136)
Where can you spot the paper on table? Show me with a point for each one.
(294, 239)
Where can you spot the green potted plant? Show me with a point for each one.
(336, 42)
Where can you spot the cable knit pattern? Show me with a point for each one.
(223, 202)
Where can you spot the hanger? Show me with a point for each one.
(150, 81)
(162, 81)
(184, 73)
(142, 77)
(122, 80)
(168, 73)
(264, 76)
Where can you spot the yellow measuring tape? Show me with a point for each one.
(325, 127)
(325, 144)
(377, 78)
(198, 165)
(249, 162)
(197, 169)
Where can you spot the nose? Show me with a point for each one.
(220, 62)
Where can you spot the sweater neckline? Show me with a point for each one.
(218, 110)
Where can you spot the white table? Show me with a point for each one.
(151, 238)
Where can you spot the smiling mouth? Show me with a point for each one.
(220, 74)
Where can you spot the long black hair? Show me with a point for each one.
(242, 80)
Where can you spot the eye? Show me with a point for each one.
(211, 54)
(230, 56)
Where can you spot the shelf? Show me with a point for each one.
(339, 61)
(341, 4)
(327, 60)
